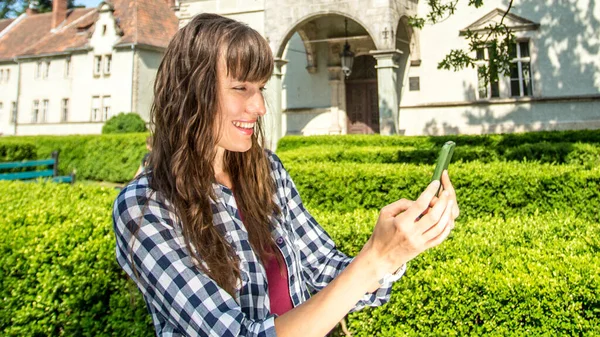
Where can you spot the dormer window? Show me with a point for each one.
(103, 30)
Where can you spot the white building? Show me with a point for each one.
(69, 76)
(68, 71)
(395, 86)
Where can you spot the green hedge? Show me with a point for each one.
(17, 152)
(58, 273)
(504, 140)
(116, 157)
(502, 189)
(559, 153)
(536, 275)
(113, 157)
(125, 123)
(526, 275)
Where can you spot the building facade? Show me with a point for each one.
(395, 86)
(68, 71)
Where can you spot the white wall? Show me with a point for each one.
(250, 12)
(500, 118)
(8, 94)
(148, 62)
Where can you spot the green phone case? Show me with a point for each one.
(443, 160)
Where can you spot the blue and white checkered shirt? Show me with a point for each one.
(184, 301)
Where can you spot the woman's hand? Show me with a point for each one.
(407, 228)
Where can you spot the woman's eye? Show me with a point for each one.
(240, 88)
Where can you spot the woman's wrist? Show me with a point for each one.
(375, 264)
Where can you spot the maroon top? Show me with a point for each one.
(277, 279)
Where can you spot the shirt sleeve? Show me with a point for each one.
(321, 260)
(189, 301)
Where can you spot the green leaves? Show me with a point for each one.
(113, 157)
(125, 123)
(58, 274)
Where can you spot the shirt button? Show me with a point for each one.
(279, 240)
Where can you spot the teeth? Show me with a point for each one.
(244, 125)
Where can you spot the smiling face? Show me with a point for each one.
(241, 103)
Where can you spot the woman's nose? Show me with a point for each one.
(256, 104)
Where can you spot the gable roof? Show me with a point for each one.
(512, 21)
(142, 22)
(147, 22)
(4, 23)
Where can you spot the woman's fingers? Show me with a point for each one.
(396, 208)
(447, 184)
(440, 226)
(422, 203)
(434, 214)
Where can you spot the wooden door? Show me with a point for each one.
(362, 107)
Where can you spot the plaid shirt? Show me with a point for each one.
(184, 301)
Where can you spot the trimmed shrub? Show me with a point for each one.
(503, 189)
(17, 152)
(530, 275)
(125, 123)
(58, 273)
(544, 152)
(112, 158)
(503, 140)
(533, 274)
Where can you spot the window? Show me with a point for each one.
(64, 108)
(1, 110)
(38, 69)
(13, 116)
(7, 75)
(107, 64)
(518, 84)
(46, 69)
(492, 88)
(1, 75)
(35, 111)
(45, 104)
(106, 108)
(95, 108)
(67, 67)
(520, 70)
(103, 30)
(97, 65)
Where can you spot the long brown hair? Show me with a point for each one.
(185, 122)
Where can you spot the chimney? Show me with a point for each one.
(32, 8)
(59, 12)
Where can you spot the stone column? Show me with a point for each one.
(336, 83)
(388, 90)
(273, 120)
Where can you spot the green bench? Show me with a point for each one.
(46, 169)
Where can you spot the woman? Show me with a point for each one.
(215, 235)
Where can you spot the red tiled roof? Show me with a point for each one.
(148, 22)
(66, 37)
(4, 23)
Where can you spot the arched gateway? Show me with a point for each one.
(308, 37)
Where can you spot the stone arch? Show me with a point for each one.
(281, 43)
(308, 33)
(408, 41)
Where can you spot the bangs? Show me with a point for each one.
(248, 56)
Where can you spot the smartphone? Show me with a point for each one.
(443, 161)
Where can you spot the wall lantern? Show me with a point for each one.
(347, 56)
